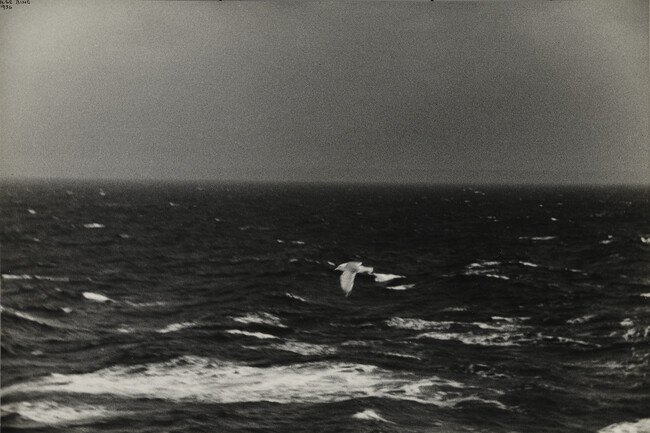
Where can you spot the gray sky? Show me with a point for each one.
(551, 92)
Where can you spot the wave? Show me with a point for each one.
(581, 319)
(146, 304)
(35, 277)
(30, 318)
(382, 278)
(494, 339)
(501, 338)
(177, 327)
(96, 297)
(401, 287)
(537, 238)
(401, 355)
(53, 413)
(370, 415)
(486, 269)
(16, 277)
(259, 335)
(260, 318)
(305, 349)
(295, 297)
(94, 226)
(609, 240)
(636, 333)
(640, 426)
(417, 324)
(192, 378)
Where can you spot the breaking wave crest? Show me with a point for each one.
(192, 378)
(260, 318)
(53, 413)
(641, 426)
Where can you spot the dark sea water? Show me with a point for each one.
(216, 308)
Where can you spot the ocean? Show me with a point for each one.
(204, 307)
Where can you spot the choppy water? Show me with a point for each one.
(149, 308)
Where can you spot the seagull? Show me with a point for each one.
(350, 269)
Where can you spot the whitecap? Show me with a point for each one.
(55, 279)
(636, 333)
(401, 287)
(260, 318)
(370, 415)
(645, 295)
(416, 324)
(640, 426)
(30, 318)
(401, 355)
(382, 278)
(483, 264)
(305, 349)
(581, 319)
(485, 269)
(627, 322)
(16, 277)
(146, 304)
(259, 335)
(298, 242)
(645, 239)
(177, 327)
(34, 277)
(94, 226)
(205, 380)
(53, 413)
(529, 264)
(66, 310)
(296, 297)
(537, 238)
(31, 211)
(96, 297)
(495, 339)
(500, 277)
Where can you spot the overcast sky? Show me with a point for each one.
(514, 92)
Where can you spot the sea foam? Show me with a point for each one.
(259, 335)
(177, 327)
(370, 415)
(382, 278)
(192, 378)
(260, 318)
(53, 413)
(640, 426)
(96, 297)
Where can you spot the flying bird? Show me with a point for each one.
(350, 269)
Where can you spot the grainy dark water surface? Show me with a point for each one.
(216, 308)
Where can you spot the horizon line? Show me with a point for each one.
(18, 179)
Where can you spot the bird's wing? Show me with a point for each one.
(347, 281)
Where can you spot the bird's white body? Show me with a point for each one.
(350, 270)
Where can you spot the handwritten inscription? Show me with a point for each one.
(9, 4)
